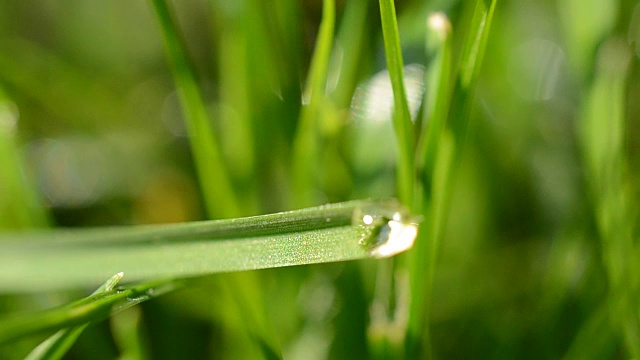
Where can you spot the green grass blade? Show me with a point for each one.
(401, 117)
(439, 153)
(58, 344)
(127, 334)
(437, 94)
(351, 42)
(476, 43)
(93, 308)
(337, 232)
(306, 144)
(602, 134)
(470, 62)
(19, 205)
(238, 102)
(434, 151)
(219, 198)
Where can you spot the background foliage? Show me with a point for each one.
(538, 259)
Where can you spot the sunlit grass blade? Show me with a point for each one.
(59, 343)
(306, 144)
(401, 116)
(93, 308)
(19, 204)
(218, 194)
(336, 232)
(602, 134)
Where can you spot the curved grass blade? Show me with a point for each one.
(59, 343)
(335, 232)
(93, 308)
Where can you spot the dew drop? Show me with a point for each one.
(385, 233)
(394, 238)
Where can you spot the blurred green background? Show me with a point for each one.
(539, 258)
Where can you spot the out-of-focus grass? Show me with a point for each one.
(19, 204)
(537, 257)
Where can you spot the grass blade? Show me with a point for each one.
(219, 198)
(437, 95)
(306, 144)
(439, 154)
(351, 42)
(58, 344)
(19, 205)
(401, 117)
(470, 62)
(93, 308)
(337, 232)
(476, 43)
(434, 151)
(602, 133)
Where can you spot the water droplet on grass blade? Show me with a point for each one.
(395, 237)
(386, 234)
